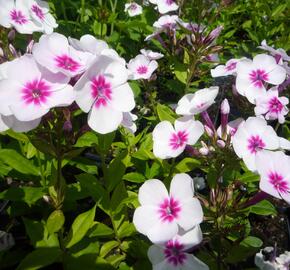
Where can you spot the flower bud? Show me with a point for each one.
(11, 35)
(208, 131)
(30, 46)
(13, 50)
(207, 120)
(204, 151)
(221, 143)
(225, 110)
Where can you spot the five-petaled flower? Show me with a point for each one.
(162, 215)
(169, 141)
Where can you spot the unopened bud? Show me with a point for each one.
(67, 126)
(204, 151)
(11, 35)
(225, 107)
(208, 131)
(13, 50)
(221, 143)
(30, 46)
(225, 110)
(207, 120)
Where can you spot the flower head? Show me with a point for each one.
(104, 92)
(252, 76)
(162, 215)
(169, 141)
(133, 9)
(198, 102)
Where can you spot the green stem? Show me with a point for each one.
(43, 180)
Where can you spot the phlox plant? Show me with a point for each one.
(134, 137)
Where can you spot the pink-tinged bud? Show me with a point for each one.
(30, 46)
(67, 126)
(11, 35)
(278, 58)
(207, 120)
(192, 151)
(221, 143)
(225, 110)
(13, 50)
(213, 35)
(208, 131)
(204, 151)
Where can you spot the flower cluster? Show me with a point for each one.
(27, 16)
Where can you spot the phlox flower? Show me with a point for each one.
(103, 91)
(11, 122)
(251, 76)
(198, 102)
(133, 9)
(54, 52)
(272, 106)
(39, 11)
(173, 254)
(141, 67)
(128, 121)
(252, 136)
(162, 215)
(15, 13)
(279, 54)
(169, 141)
(165, 6)
(30, 90)
(274, 169)
(151, 55)
(229, 68)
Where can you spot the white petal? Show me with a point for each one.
(181, 187)
(194, 263)
(190, 238)
(161, 232)
(277, 75)
(20, 126)
(123, 98)
(155, 254)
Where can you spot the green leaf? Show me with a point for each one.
(107, 247)
(100, 229)
(55, 221)
(252, 241)
(180, 71)
(18, 162)
(186, 165)
(263, 208)
(127, 229)
(134, 177)
(40, 258)
(28, 195)
(87, 140)
(278, 10)
(165, 113)
(43, 146)
(80, 227)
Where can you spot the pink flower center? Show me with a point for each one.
(274, 105)
(101, 91)
(277, 181)
(169, 209)
(133, 6)
(18, 17)
(255, 143)
(169, 2)
(257, 77)
(231, 66)
(178, 139)
(36, 92)
(67, 63)
(142, 70)
(38, 12)
(174, 253)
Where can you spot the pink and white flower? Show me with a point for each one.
(142, 67)
(279, 54)
(252, 76)
(162, 215)
(31, 90)
(252, 136)
(274, 169)
(104, 92)
(15, 13)
(198, 102)
(173, 254)
(229, 68)
(133, 9)
(169, 141)
(54, 52)
(272, 106)
(151, 55)
(165, 6)
(11, 122)
(39, 11)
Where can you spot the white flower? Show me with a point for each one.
(252, 136)
(141, 67)
(279, 54)
(251, 76)
(29, 91)
(169, 141)
(229, 68)
(165, 6)
(128, 121)
(198, 102)
(274, 169)
(272, 106)
(151, 55)
(173, 254)
(162, 215)
(104, 92)
(54, 52)
(133, 9)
